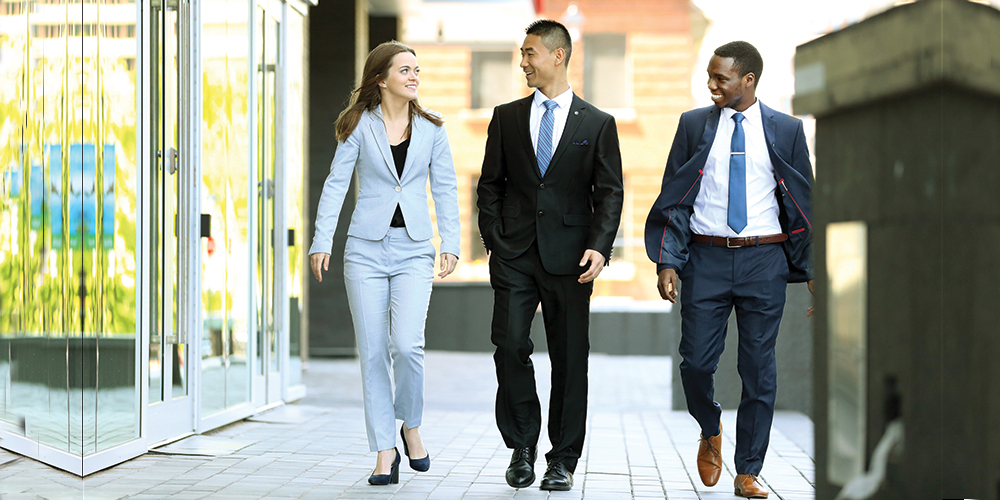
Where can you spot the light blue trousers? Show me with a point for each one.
(388, 289)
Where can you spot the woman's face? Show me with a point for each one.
(403, 77)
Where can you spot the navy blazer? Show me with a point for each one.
(668, 232)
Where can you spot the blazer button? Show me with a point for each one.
(541, 213)
(541, 186)
(398, 189)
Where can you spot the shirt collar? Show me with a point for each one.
(751, 113)
(564, 100)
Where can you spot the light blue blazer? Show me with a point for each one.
(367, 152)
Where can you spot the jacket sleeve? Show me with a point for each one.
(668, 232)
(608, 190)
(799, 245)
(331, 201)
(492, 186)
(444, 189)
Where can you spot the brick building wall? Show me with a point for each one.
(662, 38)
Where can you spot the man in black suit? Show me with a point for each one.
(550, 200)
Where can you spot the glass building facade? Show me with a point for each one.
(151, 253)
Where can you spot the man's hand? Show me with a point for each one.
(448, 263)
(596, 265)
(667, 284)
(319, 262)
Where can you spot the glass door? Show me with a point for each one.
(267, 362)
(169, 398)
(225, 212)
(294, 147)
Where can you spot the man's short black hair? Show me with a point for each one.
(553, 34)
(746, 59)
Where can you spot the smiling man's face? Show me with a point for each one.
(538, 64)
(728, 88)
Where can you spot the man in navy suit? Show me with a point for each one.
(732, 222)
(550, 201)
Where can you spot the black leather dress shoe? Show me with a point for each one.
(521, 471)
(557, 477)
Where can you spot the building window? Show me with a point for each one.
(491, 79)
(604, 71)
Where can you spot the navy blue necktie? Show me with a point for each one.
(737, 217)
(544, 152)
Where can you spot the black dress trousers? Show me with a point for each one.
(519, 285)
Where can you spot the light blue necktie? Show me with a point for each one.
(737, 218)
(544, 152)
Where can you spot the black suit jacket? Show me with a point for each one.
(577, 204)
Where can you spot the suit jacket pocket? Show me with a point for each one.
(509, 211)
(577, 219)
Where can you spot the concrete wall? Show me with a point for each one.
(794, 353)
(460, 314)
(908, 142)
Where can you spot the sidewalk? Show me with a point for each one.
(317, 449)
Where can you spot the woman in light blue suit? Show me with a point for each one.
(393, 145)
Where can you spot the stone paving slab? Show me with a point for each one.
(636, 448)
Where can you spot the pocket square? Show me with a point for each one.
(581, 143)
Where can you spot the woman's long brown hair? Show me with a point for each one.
(367, 95)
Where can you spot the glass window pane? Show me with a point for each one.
(295, 163)
(491, 78)
(605, 82)
(225, 168)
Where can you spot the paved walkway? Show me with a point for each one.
(316, 449)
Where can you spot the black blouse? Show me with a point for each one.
(399, 158)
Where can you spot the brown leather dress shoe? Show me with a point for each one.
(748, 486)
(710, 458)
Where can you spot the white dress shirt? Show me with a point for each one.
(561, 112)
(711, 206)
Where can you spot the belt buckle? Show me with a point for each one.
(729, 245)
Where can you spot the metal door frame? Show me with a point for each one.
(267, 390)
(175, 417)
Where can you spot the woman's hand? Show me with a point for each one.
(448, 263)
(319, 262)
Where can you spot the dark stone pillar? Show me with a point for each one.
(908, 143)
(333, 62)
(332, 29)
(382, 29)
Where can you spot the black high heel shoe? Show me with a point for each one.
(391, 478)
(417, 464)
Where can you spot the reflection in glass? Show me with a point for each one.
(167, 366)
(265, 64)
(67, 224)
(847, 267)
(224, 183)
(272, 146)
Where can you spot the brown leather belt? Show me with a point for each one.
(736, 242)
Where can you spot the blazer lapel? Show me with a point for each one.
(708, 135)
(522, 113)
(688, 175)
(382, 140)
(577, 113)
(417, 136)
(770, 131)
